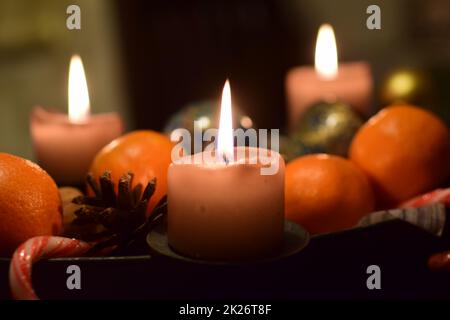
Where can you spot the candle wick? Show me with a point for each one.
(225, 158)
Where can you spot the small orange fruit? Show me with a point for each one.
(326, 193)
(404, 150)
(29, 203)
(145, 153)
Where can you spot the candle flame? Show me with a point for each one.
(79, 106)
(326, 61)
(225, 147)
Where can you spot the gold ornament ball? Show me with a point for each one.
(290, 149)
(407, 86)
(327, 127)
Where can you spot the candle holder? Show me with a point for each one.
(295, 239)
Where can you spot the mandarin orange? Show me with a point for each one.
(29, 203)
(404, 150)
(326, 193)
(145, 153)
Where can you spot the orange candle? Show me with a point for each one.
(65, 145)
(347, 82)
(226, 210)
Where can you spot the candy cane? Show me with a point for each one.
(438, 261)
(438, 195)
(32, 251)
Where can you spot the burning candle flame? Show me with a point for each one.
(225, 147)
(79, 106)
(326, 61)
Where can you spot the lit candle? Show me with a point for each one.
(65, 144)
(347, 82)
(223, 208)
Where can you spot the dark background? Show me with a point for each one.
(184, 51)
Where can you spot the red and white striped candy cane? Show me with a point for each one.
(438, 261)
(438, 195)
(33, 250)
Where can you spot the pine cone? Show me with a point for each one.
(122, 216)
